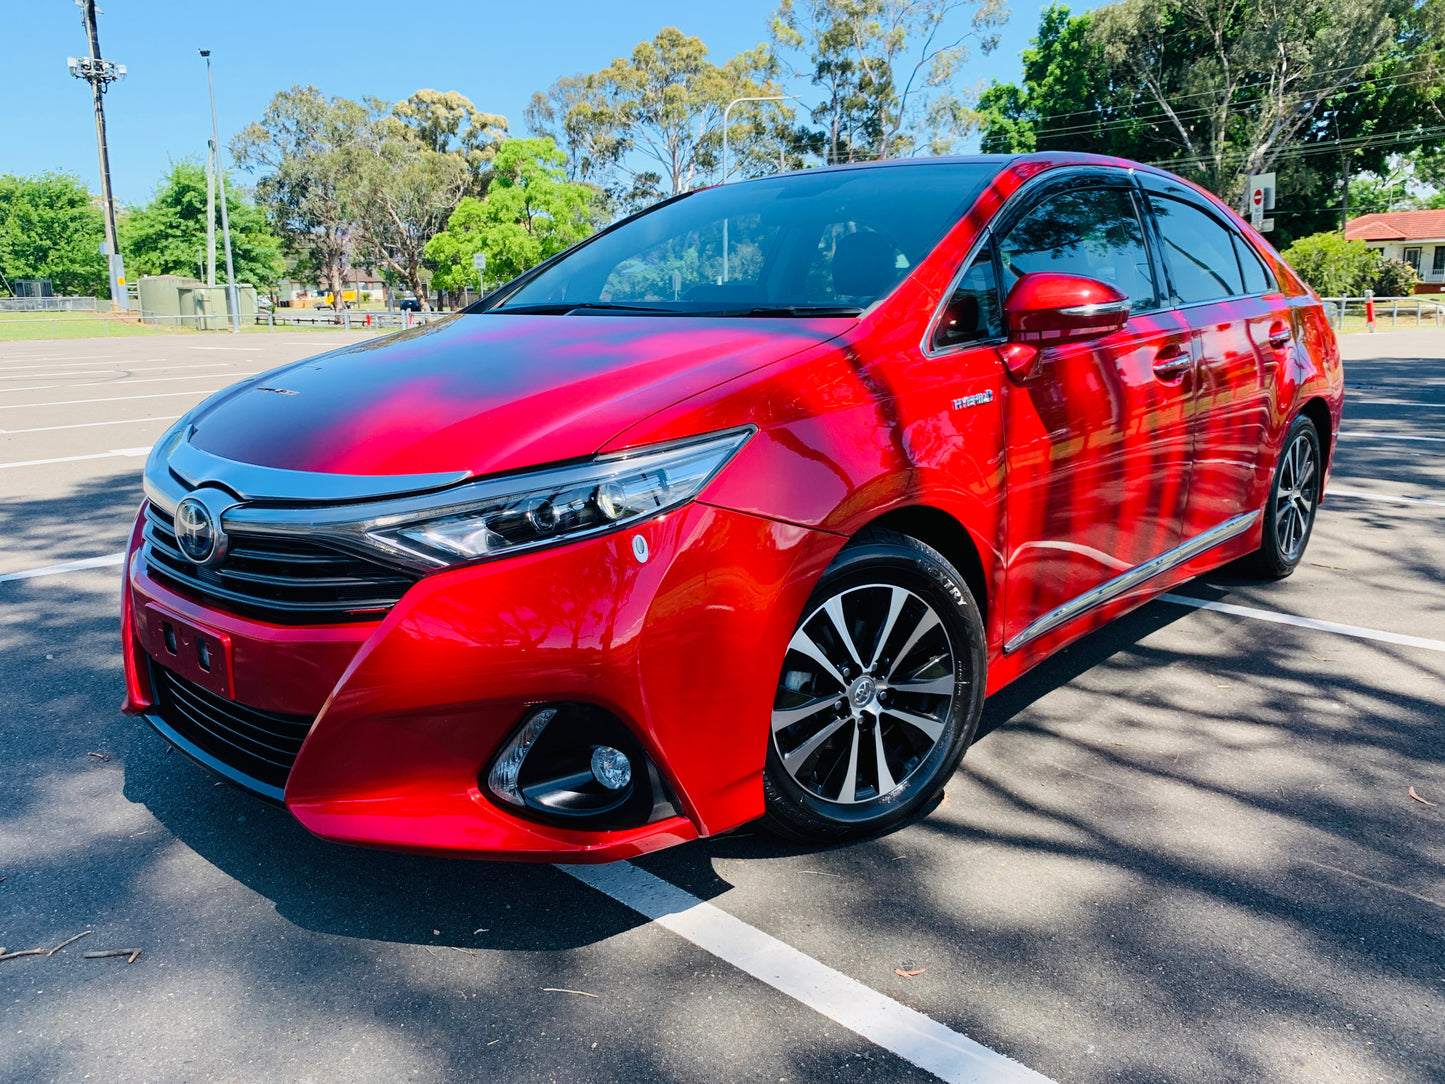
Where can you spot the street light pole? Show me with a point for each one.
(100, 74)
(232, 298)
(726, 110)
(210, 267)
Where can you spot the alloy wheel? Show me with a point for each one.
(865, 693)
(1295, 495)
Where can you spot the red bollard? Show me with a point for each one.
(368, 319)
(1370, 311)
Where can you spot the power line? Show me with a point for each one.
(1163, 118)
(1323, 71)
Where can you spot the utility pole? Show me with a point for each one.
(232, 297)
(1345, 202)
(100, 74)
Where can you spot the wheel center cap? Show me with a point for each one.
(863, 692)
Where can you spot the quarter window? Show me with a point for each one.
(1257, 279)
(1093, 232)
(1199, 252)
(972, 313)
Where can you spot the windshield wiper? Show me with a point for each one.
(563, 307)
(794, 310)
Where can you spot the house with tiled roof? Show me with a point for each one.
(1417, 237)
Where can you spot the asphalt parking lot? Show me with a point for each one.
(1183, 850)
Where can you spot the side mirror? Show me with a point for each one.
(1047, 308)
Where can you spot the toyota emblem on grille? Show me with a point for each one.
(198, 534)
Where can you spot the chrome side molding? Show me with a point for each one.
(1127, 581)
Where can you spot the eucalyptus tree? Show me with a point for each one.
(887, 70)
(309, 151)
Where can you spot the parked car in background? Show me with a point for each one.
(737, 509)
(409, 304)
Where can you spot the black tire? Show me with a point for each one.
(1294, 495)
(848, 707)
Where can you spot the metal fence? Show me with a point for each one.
(107, 323)
(1416, 310)
(52, 304)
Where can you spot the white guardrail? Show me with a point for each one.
(1417, 310)
(62, 327)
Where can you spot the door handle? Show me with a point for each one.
(1171, 361)
(1279, 337)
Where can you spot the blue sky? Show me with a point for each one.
(496, 54)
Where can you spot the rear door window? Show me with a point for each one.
(1093, 232)
(1199, 252)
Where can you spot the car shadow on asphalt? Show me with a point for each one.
(377, 895)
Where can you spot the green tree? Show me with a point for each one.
(309, 151)
(404, 193)
(578, 114)
(1333, 266)
(1214, 91)
(530, 212)
(168, 235)
(51, 227)
(1068, 100)
(446, 122)
(886, 68)
(650, 124)
(1259, 72)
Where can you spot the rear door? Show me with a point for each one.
(1098, 437)
(1240, 324)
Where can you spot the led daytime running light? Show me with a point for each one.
(502, 779)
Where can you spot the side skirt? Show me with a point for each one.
(1127, 581)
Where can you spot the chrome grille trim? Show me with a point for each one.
(288, 581)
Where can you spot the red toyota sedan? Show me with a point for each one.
(738, 509)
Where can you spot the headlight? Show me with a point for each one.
(544, 508)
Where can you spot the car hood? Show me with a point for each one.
(487, 392)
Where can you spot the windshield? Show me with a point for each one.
(824, 243)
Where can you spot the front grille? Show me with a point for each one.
(254, 744)
(288, 581)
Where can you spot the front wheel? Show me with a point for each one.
(880, 693)
(1294, 495)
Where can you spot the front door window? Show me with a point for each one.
(1098, 448)
(1412, 257)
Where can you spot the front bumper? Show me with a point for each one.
(409, 710)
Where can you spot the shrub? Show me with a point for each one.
(1333, 266)
(1394, 278)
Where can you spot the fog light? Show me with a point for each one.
(610, 767)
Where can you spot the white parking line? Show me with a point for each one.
(164, 420)
(72, 364)
(118, 380)
(106, 399)
(1358, 494)
(121, 369)
(78, 458)
(876, 1017)
(23, 360)
(1307, 622)
(1360, 434)
(108, 561)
